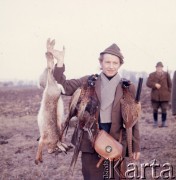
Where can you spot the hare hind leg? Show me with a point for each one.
(39, 153)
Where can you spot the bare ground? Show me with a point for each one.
(19, 132)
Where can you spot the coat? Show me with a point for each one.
(164, 93)
(173, 100)
(70, 87)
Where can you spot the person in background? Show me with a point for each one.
(160, 84)
(173, 100)
(108, 88)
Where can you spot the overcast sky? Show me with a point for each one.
(145, 31)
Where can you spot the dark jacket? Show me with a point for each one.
(173, 101)
(117, 122)
(164, 93)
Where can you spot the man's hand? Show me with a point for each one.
(59, 55)
(136, 155)
(157, 86)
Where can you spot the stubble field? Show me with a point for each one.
(19, 133)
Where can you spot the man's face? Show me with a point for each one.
(159, 69)
(110, 64)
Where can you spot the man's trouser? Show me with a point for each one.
(163, 105)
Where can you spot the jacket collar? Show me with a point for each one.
(118, 94)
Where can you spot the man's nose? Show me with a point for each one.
(111, 65)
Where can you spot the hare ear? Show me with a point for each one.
(63, 50)
(48, 41)
(52, 43)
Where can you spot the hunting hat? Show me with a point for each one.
(114, 50)
(159, 64)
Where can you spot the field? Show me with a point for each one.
(19, 133)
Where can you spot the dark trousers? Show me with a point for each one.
(160, 104)
(163, 105)
(91, 172)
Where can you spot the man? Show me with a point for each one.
(160, 84)
(174, 95)
(108, 88)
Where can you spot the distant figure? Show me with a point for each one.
(174, 95)
(160, 84)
